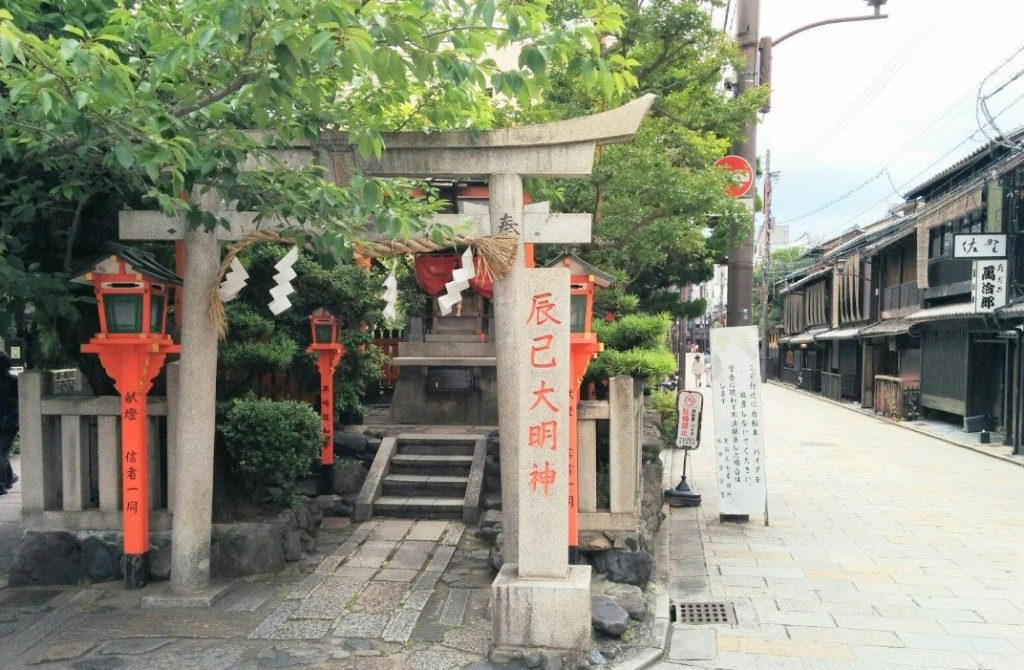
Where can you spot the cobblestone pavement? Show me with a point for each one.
(886, 549)
(385, 594)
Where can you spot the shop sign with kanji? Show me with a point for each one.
(983, 245)
(989, 286)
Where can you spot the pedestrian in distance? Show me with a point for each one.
(8, 422)
(698, 370)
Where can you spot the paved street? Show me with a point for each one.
(886, 549)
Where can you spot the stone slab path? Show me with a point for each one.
(385, 594)
(373, 586)
(886, 549)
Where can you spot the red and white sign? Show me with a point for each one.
(740, 171)
(689, 404)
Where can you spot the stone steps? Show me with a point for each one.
(467, 337)
(425, 476)
(434, 464)
(425, 485)
(419, 507)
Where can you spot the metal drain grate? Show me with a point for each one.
(703, 613)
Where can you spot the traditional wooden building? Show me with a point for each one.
(968, 352)
(890, 353)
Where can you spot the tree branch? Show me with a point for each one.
(216, 96)
(76, 219)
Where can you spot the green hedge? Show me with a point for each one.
(272, 443)
(664, 403)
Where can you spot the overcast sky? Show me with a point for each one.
(897, 94)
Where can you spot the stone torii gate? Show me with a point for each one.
(539, 600)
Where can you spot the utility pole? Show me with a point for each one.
(766, 262)
(741, 243)
(741, 246)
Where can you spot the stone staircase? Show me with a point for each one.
(425, 476)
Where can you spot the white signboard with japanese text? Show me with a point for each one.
(989, 286)
(981, 245)
(689, 406)
(739, 421)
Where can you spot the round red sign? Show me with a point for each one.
(740, 171)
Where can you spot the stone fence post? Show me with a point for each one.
(40, 451)
(624, 452)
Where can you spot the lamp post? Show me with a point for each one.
(583, 347)
(324, 328)
(741, 246)
(131, 293)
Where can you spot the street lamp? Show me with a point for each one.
(324, 327)
(741, 246)
(131, 291)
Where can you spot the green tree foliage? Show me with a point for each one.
(259, 342)
(783, 262)
(105, 104)
(661, 214)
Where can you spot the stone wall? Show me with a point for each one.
(236, 550)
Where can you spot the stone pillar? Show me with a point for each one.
(173, 394)
(539, 601)
(506, 214)
(109, 458)
(193, 485)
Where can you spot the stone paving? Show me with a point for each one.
(886, 549)
(387, 594)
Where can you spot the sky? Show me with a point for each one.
(877, 107)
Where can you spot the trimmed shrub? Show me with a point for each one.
(272, 443)
(650, 365)
(636, 331)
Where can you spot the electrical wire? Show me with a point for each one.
(884, 171)
(932, 165)
(982, 101)
(872, 91)
(836, 201)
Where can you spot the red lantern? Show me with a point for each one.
(324, 328)
(131, 294)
